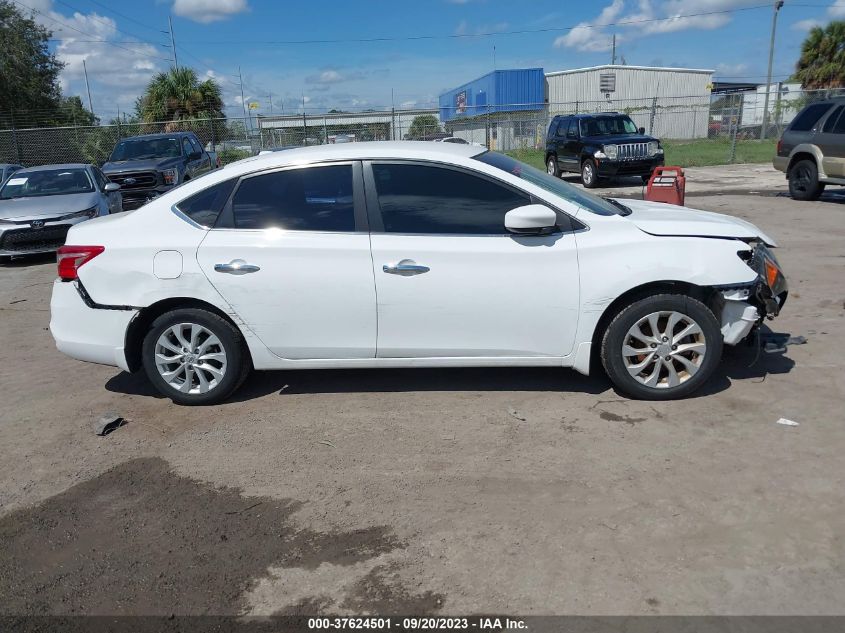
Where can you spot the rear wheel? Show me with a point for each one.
(662, 347)
(551, 166)
(194, 357)
(589, 177)
(804, 181)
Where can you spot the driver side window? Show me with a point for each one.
(186, 147)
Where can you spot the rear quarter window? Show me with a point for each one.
(204, 207)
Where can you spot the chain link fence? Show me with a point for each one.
(722, 128)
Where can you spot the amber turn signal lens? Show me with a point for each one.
(771, 274)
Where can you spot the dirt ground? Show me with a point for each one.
(524, 491)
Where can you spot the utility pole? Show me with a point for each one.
(173, 42)
(494, 57)
(304, 123)
(763, 130)
(270, 99)
(613, 54)
(243, 99)
(87, 87)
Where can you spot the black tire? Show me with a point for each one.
(552, 167)
(238, 363)
(589, 174)
(617, 332)
(804, 181)
(646, 178)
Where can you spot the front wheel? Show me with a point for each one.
(589, 177)
(662, 347)
(194, 356)
(804, 181)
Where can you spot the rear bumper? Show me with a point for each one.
(90, 334)
(781, 163)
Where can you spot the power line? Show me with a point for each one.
(485, 34)
(73, 28)
(107, 22)
(124, 16)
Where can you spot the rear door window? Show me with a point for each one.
(805, 121)
(832, 119)
(316, 198)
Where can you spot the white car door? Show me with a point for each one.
(451, 281)
(291, 254)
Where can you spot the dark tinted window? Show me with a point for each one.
(310, 199)
(831, 120)
(573, 128)
(204, 207)
(421, 199)
(99, 178)
(805, 121)
(195, 146)
(559, 128)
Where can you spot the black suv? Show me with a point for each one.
(600, 145)
(812, 149)
(147, 166)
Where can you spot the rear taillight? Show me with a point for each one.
(71, 258)
(780, 146)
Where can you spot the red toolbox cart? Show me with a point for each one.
(667, 184)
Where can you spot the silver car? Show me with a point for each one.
(39, 204)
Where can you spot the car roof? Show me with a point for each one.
(365, 150)
(591, 115)
(57, 166)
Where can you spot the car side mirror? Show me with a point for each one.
(194, 155)
(641, 131)
(111, 186)
(531, 219)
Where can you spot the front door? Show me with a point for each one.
(451, 281)
(293, 260)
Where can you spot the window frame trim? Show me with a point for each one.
(374, 208)
(226, 218)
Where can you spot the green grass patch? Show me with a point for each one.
(694, 153)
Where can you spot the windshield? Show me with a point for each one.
(558, 187)
(47, 182)
(607, 125)
(136, 149)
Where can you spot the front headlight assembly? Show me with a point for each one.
(654, 148)
(612, 151)
(93, 212)
(170, 176)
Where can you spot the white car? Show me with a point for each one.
(404, 254)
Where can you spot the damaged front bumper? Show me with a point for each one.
(744, 307)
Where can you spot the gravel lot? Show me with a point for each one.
(526, 491)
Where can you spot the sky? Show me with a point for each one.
(290, 52)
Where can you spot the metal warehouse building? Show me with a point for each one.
(503, 109)
(667, 102)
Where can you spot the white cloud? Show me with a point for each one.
(837, 9)
(206, 11)
(806, 25)
(117, 72)
(650, 17)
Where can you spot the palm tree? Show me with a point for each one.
(822, 61)
(178, 95)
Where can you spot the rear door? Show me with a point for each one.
(291, 254)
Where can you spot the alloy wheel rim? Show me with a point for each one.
(550, 167)
(190, 358)
(664, 349)
(588, 173)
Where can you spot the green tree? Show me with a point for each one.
(822, 61)
(29, 72)
(178, 95)
(423, 125)
(70, 111)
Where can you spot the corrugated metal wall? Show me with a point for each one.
(512, 90)
(670, 102)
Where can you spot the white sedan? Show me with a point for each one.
(404, 254)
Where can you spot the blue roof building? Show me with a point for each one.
(520, 89)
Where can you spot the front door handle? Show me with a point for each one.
(406, 268)
(236, 267)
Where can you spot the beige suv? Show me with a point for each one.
(811, 151)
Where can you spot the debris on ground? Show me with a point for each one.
(516, 414)
(16, 301)
(327, 443)
(786, 422)
(108, 423)
(775, 343)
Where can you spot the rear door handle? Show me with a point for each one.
(236, 267)
(405, 268)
